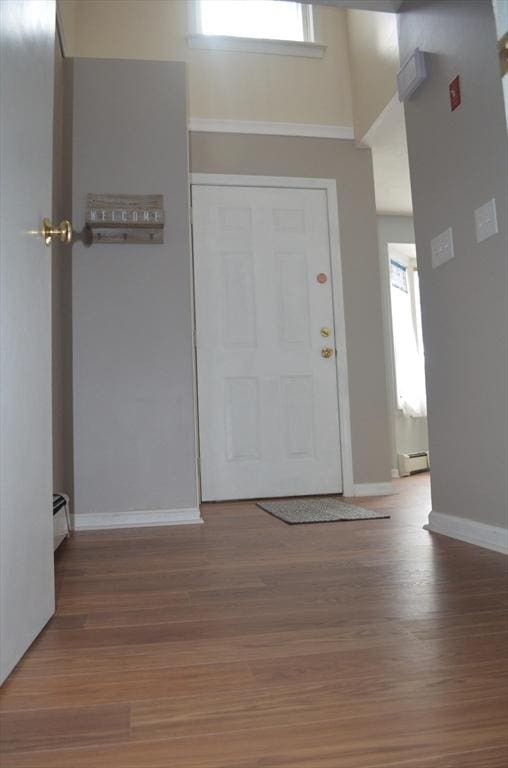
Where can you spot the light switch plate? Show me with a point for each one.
(442, 248)
(485, 219)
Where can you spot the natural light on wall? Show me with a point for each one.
(264, 19)
(408, 350)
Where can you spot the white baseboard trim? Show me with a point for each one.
(395, 474)
(200, 124)
(374, 489)
(471, 531)
(139, 519)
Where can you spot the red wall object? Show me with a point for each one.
(454, 89)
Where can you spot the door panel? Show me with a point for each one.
(268, 403)
(293, 300)
(298, 399)
(241, 412)
(238, 300)
(26, 523)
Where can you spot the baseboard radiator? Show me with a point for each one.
(61, 518)
(411, 463)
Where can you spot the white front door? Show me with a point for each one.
(268, 404)
(27, 592)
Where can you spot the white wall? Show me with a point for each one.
(378, 114)
(387, 140)
(374, 60)
(458, 161)
(221, 85)
(134, 426)
(407, 433)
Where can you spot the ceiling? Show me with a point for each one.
(387, 140)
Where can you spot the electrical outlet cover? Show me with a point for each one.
(442, 248)
(485, 219)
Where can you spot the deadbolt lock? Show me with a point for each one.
(325, 331)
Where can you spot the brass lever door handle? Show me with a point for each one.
(63, 231)
(327, 352)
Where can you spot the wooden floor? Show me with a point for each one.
(248, 643)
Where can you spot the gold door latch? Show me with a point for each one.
(63, 231)
(327, 352)
(325, 331)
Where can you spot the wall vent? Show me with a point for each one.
(410, 463)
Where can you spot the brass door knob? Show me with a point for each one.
(63, 231)
(327, 352)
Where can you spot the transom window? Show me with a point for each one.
(258, 19)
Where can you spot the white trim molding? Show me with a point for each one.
(303, 48)
(309, 130)
(374, 489)
(470, 531)
(330, 187)
(138, 519)
(60, 31)
(395, 474)
(379, 6)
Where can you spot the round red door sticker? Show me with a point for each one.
(322, 278)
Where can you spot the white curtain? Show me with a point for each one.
(407, 338)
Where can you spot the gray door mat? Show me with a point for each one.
(318, 510)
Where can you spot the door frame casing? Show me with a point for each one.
(329, 186)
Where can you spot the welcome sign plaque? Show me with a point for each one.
(125, 218)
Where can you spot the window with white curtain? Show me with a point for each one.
(407, 335)
(258, 19)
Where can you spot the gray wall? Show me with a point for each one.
(58, 255)
(352, 168)
(61, 278)
(458, 161)
(134, 426)
(408, 433)
(66, 284)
